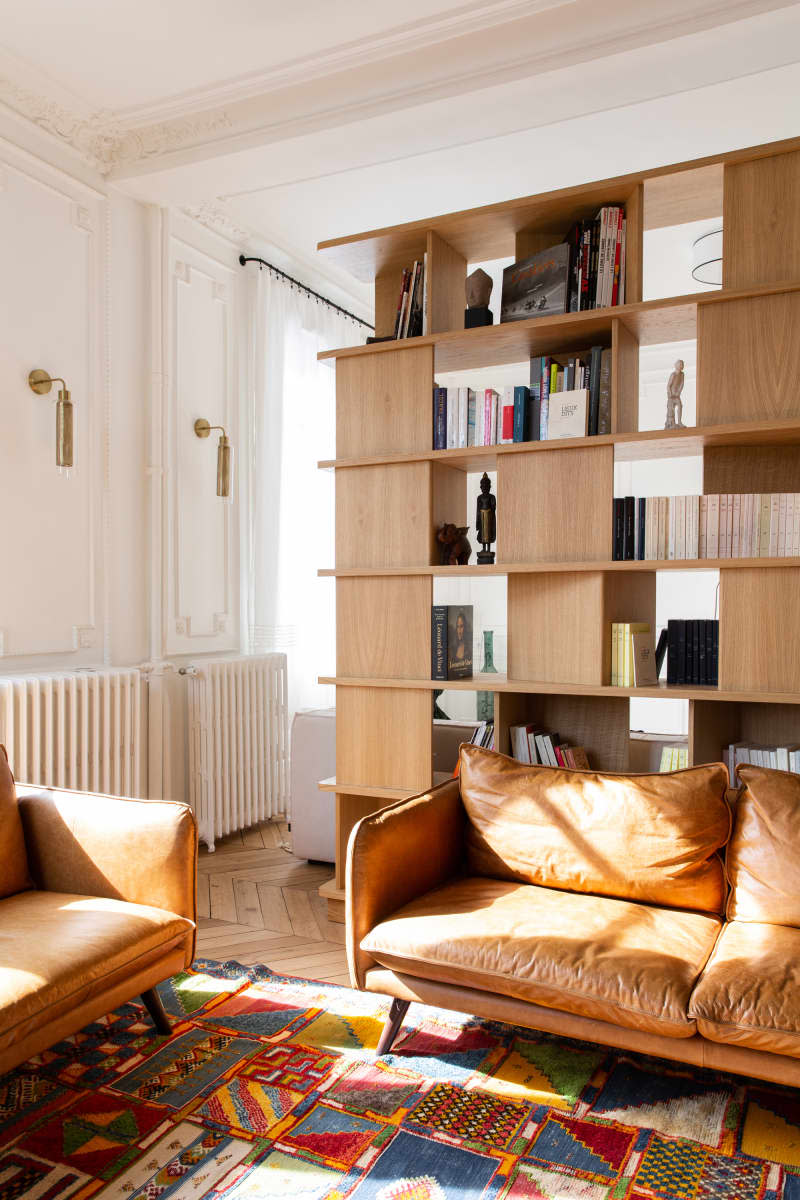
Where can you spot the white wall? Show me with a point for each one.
(53, 291)
(132, 558)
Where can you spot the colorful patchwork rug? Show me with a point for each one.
(269, 1087)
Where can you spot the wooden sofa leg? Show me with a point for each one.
(152, 1002)
(392, 1027)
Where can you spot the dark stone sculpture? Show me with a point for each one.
(486, 521)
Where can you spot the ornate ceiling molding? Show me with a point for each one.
(101, 139)
(214, 216)
(93, 137)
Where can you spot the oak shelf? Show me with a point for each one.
(387, 794)
(672, 319)
(533, 568)
(500, 683)
(628, 447)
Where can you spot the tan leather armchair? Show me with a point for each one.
(105, 911)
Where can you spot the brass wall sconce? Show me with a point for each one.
(203, 429)
(41, 382)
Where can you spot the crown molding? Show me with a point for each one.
(402, 39)
(93, 137)
(274, 105)
(100, 139)
(214, 216)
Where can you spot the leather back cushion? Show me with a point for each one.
(764, 853)
(652, 838)
(14, 875)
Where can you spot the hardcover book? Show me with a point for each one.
(536, 286)
(569, 414)
(644, 660)
(451, 641)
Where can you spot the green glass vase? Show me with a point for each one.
(486, 699)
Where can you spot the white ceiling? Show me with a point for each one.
(284, 125)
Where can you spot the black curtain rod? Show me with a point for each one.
(262, 262)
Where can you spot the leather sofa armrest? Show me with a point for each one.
(397, 854)
(143, 851)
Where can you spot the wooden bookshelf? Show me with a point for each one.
(563, 589)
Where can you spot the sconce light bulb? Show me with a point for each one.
(64, 430)
(224, 467)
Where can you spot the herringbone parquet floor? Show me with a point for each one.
(257, 903)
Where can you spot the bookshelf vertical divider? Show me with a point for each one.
(555, 504)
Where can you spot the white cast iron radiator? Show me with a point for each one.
(238, 743)
(85, 730)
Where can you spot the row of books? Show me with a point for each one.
(412, 306)
(565, 399)
(597, 261)
(483, 735)
(586, 271)
(778, 758)
(724, 525)
(530, 744)
(674, 758)
(691, 648)
(555, 386)
(693, 652)
(635, 662)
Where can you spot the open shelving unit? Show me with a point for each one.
(563, 589)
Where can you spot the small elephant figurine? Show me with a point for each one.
(454, 545)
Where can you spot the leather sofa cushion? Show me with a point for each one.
(763, 856)
(14, 875)
(749, 993)
(58, 949)
(613, 960)
(652, 838)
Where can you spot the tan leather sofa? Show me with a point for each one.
(97, 905)
(592, 905)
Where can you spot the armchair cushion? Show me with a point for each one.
(612, 960)
(57, 950)
(14, 874)
(649, 838)
(763, 857)
(749, 993)
(144, 851)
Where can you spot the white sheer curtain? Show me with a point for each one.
(290, 526)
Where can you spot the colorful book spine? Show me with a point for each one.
(544, 402)
(440, 418)
(452, 417)
(439, 641)
(505, 420)
(522, 403)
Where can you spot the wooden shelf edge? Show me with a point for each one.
(564, 324)
(628, 447)
(379, 793)
(500, 683)
(538, 568)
